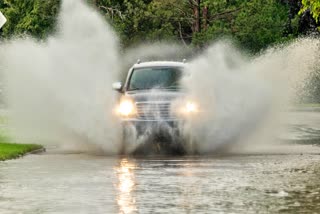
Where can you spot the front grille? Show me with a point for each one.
(154, 110)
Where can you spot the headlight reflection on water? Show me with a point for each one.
(125, 187)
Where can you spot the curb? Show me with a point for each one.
(37, 151)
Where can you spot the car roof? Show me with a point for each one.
(159, 64)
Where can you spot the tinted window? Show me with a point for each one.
(149, 78)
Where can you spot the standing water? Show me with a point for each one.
(59, 93)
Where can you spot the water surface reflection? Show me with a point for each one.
(125, 186)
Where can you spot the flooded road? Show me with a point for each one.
(247, 183)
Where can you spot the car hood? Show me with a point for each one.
(155, 95)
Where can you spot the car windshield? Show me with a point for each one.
(155, 78)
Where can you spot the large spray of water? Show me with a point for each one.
(59, 91)
(242, 97)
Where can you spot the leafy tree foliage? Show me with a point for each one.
(152, 20)
(260, 24)
(255, 24)
(313, 6)
(34, 17)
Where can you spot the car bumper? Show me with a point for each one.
(158, 137)
(154, 127)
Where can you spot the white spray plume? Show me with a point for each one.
(237, 95)
(60, 90)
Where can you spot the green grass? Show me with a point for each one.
(11, 150)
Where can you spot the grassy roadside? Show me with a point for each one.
(12, 151)
(9, 149)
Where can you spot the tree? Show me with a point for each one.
(260, 24)
(196, 8)
(313, 6)
(36, 17)
(254, 24)
(152, 20)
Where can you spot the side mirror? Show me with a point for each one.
(117, 86)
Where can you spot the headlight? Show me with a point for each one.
(126, 108)
(190, 108)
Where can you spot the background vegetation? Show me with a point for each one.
(253, 24)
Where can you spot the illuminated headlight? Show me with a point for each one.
(190, 108)
(126, 108)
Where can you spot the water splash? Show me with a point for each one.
(241, 97)
(59, 90)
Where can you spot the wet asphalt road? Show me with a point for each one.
(247, 183)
